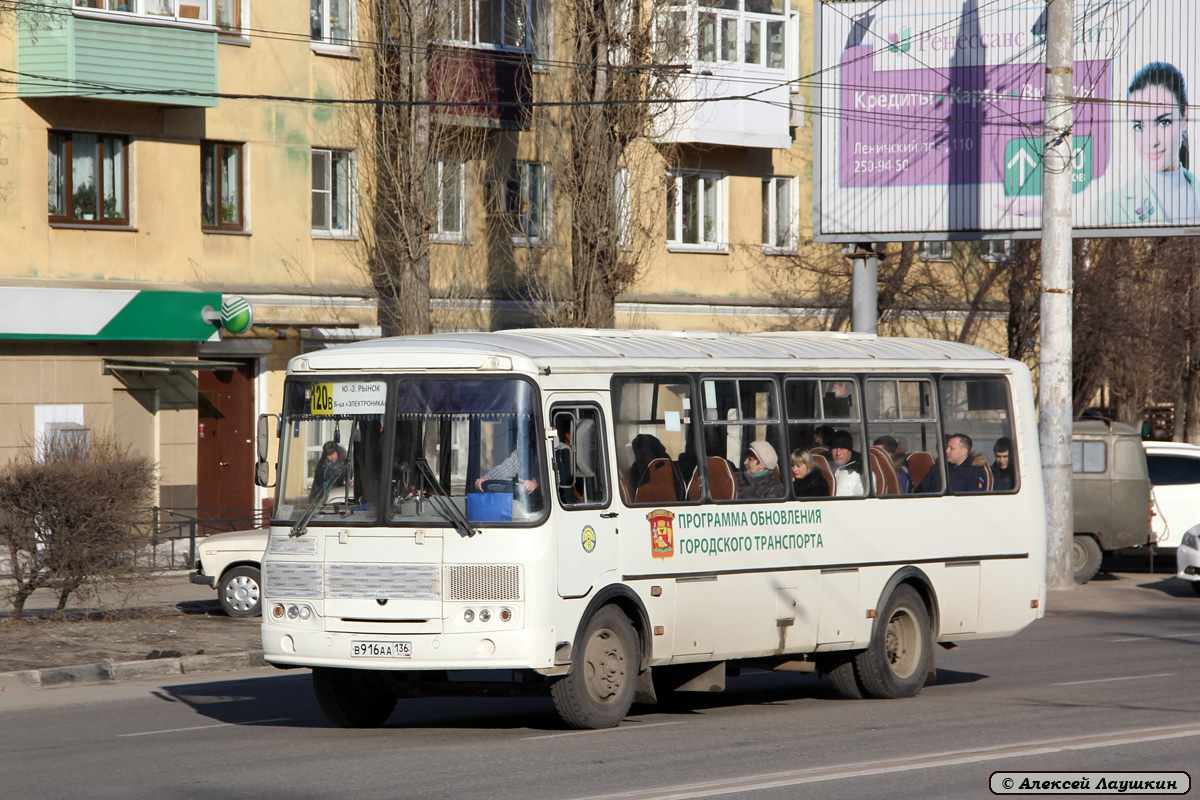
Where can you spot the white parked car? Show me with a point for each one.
(1175, 481)
(231, 563)
(1187, 558)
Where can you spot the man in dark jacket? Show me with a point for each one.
(1004, 478)
(962, 475)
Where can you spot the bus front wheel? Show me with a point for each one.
(353, 698)
(599, 689)
(897, 661)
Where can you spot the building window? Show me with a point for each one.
(997, 250)
(330, 21)
(935, 251)
(695, 211)
(221, 186)
(88, 178)
(778, 214)
(498, 23)
(229, 16)
(179, 10)
(527, 202)
(333, 192)
(729, 31)
(449, 195)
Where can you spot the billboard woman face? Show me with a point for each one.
(1158, 127)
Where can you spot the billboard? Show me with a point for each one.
(930, 118)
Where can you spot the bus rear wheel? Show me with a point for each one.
(353, 698)
(599, 689)
(897, 661)
(840, 669)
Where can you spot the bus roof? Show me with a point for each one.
(580, 349)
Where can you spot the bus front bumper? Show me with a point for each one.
(526, 648)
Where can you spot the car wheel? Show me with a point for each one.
(1085, 558)
(240, 592)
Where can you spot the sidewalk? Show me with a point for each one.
(167, 614)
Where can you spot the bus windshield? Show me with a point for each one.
(444, 451)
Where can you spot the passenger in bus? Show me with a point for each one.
(807, 480)
(964, 469)
(646, 450)
(899, 461)
(847, 465)
(1004, 478)
(822, 435)
(330, 471)
(760, 479)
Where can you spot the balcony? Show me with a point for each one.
(159, 51)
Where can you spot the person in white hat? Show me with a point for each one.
(758, 478)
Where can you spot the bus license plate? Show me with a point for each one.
(381, 649)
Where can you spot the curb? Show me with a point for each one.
(52, 677)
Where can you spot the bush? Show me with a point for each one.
(73, 513)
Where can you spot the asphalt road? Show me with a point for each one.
(1106, 682)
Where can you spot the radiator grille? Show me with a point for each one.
(413, 581)
(284, 579)
(483, 582)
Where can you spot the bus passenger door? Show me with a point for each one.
(585, 519)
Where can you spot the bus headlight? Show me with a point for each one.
(506, 615)
(485, 615)
(468, 616)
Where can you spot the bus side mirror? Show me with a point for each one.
(262, 469)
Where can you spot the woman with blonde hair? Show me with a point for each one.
(807, 480)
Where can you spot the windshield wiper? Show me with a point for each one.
(314, 505)
(441, 501)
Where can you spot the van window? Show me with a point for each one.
(1088, 456)
(901, 420)
(580, 471)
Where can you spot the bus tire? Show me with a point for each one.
(1085, 557)
(842, 674)
(353, 698)
(896, 663)
(599, 689)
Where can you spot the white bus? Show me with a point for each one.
(610, 515)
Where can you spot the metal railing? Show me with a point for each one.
(175, 531)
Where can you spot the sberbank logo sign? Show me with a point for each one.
(900, 43)
(236, 314)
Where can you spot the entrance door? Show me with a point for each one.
(225, 449)
(585, 521)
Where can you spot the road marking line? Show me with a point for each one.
(203, 727)
(1125, 678)
(776, 780)
(625, 727)
(1144, 638)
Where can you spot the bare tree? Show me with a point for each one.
(414, 154)
(607, 99)
(70, 515)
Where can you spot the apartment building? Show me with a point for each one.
(160, 159)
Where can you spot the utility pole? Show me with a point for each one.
(864, 292)
(1055, 405)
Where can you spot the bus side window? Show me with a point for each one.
(901, 423)
(742, 427)
(653, 426)
(580, 471)
(823, 416)
(980, 408)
